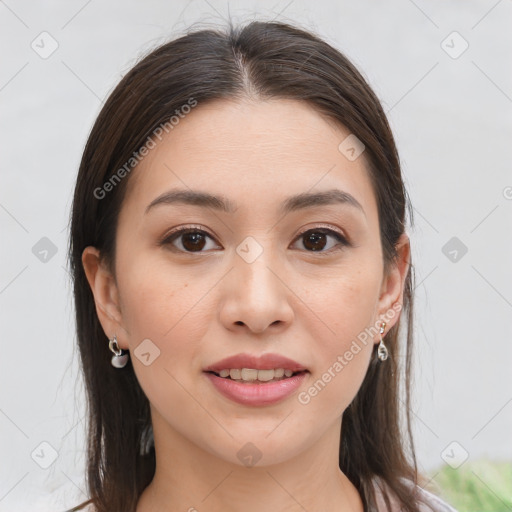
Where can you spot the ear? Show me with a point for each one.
(106, 297)
(393, 283)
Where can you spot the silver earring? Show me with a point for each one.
(119, 359)
(382, 351)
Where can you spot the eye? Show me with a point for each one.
(191, 239)
(315, 240)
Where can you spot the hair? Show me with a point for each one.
(261, 60)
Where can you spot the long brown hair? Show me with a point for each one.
(263, 60)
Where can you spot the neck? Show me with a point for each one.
(189, 478)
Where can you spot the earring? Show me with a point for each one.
(119, 360)
(382, 351)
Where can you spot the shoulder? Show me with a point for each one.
(427, 501)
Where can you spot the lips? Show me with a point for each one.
(264, 362)
(257, 394)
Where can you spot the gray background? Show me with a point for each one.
(450, 112)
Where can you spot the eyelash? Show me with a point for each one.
(343, 242)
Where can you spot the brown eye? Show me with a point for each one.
(190, 239)
(315, 240)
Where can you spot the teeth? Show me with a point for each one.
(251, 374)
(235, 374)
(248, 374)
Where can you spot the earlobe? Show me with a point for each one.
(393, 284)
(104, 290)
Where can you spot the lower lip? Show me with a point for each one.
(259, 393)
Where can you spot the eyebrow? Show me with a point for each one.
(221, 203)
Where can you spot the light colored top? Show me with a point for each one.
(428, 502)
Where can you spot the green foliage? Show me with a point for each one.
(479, 486)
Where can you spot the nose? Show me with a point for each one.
(255, 295)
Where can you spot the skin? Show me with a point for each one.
(199, 307)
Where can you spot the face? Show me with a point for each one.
(302, 282)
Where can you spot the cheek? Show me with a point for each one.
(344, 312)
(173, 306)
(346, 305)
(165, 312)
(157, 299)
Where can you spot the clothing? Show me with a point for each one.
(428, 502)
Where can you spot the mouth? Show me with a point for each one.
(256, 380)
(248, 387)
(253, 376)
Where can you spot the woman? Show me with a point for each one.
(238, 243)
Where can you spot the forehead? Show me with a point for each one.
(250, 151)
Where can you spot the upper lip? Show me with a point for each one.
(263, 362)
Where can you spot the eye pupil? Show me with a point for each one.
(314, 238)
(196, 239)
